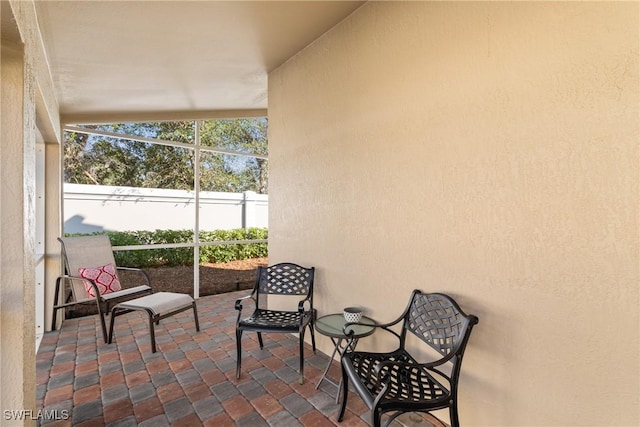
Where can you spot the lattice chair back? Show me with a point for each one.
(438, 321)
(82, 252)
(285, 279)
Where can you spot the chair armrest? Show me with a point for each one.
(301, 309)
(96, 290)
(349, 332)
(137, 270)
(238, 305)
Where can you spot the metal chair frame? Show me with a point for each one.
(395, 382)
(76, 294)
(280, 279)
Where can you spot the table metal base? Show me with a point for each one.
(340, 349)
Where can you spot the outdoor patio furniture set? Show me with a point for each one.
(388, 382)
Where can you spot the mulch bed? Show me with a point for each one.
(215, 278)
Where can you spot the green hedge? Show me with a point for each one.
(184, 256)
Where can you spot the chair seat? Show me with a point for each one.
(274, 320)
(407, 384)
(159, 303)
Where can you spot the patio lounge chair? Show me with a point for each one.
(91, 275)
(396, 382)
(279, 279)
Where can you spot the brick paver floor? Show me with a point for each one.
(189, 381)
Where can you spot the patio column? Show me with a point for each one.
(17, 224)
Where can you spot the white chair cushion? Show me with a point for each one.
(159, 303)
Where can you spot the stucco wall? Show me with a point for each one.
(17, 219)
(504, 137)
(27, 107)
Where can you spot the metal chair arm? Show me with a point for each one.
(385, 326)
(301, 309)
(238, 304)
(138, 270)
(96, 290)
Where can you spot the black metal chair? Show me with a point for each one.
(279, 279)
(395, 382)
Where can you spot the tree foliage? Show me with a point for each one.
(91, 159)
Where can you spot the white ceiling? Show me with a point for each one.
(127, 58)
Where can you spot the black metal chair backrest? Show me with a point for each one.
(285, 279)
(438, 321)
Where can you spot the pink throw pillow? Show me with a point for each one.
(104, 276)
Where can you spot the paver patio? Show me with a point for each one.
(190, 381)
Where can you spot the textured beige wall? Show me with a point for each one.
(17, 219)
(27, 106)
(490, 151)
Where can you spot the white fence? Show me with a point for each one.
(91, 208)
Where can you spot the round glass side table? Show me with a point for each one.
(331, 326)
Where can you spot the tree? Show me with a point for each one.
(76, 168)
(91, 159)
(246, 136)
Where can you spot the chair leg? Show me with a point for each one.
(54, 319)
(239, 352)
(111, 321)
(302, 356)
(345, 393)
(453, 414)
(103, 324)
(152, 331)
(260, 340)
(376, 415)
(55, 302)
(313, 337)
